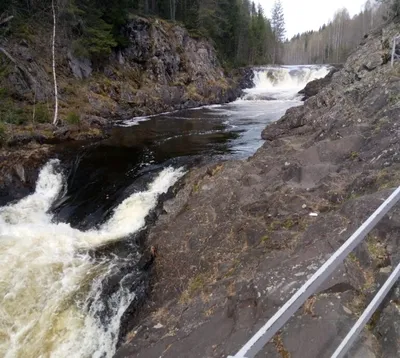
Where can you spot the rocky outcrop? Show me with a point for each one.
(162, 68)
(238, 239)
(19, 171)
(314, 87)
(168, 70)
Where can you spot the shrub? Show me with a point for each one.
(42, 114)
(3, 134)
(3, 93)
(13, 116)
(73, 118)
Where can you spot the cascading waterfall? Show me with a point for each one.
(50, 286)
(282, 83)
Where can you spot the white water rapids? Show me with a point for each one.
(282, 83)
(50, 287)
(52, 302)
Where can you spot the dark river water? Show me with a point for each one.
(102, 175)
(61, 293)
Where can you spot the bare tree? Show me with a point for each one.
(55, 120)
(334, 41)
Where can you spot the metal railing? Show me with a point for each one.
(267, 332)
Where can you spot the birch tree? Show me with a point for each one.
(55, 120)
(335, 40)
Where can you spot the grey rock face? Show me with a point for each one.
(314, 87)
(160, 57)
(81, 68)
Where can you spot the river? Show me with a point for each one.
(70, 262)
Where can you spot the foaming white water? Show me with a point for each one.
(50, 288)
(282, 83)
(135, 121)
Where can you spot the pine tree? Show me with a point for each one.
(278, 27)
(239, 30)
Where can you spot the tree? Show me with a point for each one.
(393, 6)
(335, 40)
(55, 120)
(278, 21)
(278, 27)
(93, 29)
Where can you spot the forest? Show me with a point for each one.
(335, 40)
(239, 29)
(241, 32)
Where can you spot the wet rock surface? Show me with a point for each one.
(238, 239)
(19, 171)
(316, 86)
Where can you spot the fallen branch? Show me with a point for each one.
(23, 70)
(7, 19)
(7, 54)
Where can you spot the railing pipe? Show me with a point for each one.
(265, 334)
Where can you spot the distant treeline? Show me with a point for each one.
(335, 40)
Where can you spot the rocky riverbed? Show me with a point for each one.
(238, 239)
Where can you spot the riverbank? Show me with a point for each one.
(27, 147)
(162, 68)
(238, 239)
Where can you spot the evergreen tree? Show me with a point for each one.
(278, 27)
(239, 30)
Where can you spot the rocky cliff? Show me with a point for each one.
(162, 68)
(238, 239)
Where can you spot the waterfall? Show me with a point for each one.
(51, 297)
(282, 83)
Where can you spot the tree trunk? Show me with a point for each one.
(55, 120)
(24, 72)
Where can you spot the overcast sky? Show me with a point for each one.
(304, 15)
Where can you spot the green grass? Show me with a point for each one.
(376, 248)
(288, 224)
(3, 93)
(42, 113)
(354, 156)
(352, 257)
(73, 118)
(13, 116)
(196, 286)
(3, 134)
(265, 239)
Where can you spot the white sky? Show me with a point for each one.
(304, 15)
